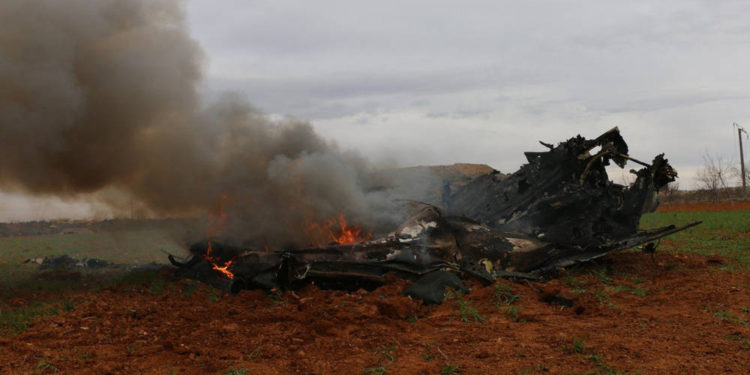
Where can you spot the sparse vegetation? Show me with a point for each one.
(188, 289)
(449, 369)
(505, 299)
(504, 294)
(214, 295)
(512, 311)
(16, 320)
(602, 368)
(232, 371)
(45, 367)
(379, 370)
(68, 305)
(603, 297)
(602, 274)
(745, 343)
(387, 352)
(466, 311)
(277, 297)
(256, 352)
(578, 286)
(140, 280)
(638, 291)
(577, 345)
(157, 285)
(725, 315)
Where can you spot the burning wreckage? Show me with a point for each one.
(557, 210)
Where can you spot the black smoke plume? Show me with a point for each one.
(101, 95)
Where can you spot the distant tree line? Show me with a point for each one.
(717, 180)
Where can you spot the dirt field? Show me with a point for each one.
(672, 313)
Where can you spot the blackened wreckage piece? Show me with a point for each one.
(557, 210)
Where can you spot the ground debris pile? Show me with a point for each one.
(67, 262)
(557, 210)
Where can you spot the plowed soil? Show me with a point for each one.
(674, 314)
(629, 313)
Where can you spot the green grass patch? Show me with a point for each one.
(139, 278)
(505, 299)
(17, 319)
(124, 246)
(602, 368)
(466, 311)
(577, 345)
(385, 353)
(726, 315)
(602, 296)
(26, 280)
(189, 288)
(214, 295)
(602, 274)
(722, 233)
(504, 294)
(745, 343)
(378, 370)
(45, 367)
(449, 369)
(577, 285)
(512, 311)
(638, 291)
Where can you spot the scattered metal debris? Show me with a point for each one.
(67, 262)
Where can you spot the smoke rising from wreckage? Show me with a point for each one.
(104, 100)
(557, 210)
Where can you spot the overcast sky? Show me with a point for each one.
(433, 82)
(438, 82)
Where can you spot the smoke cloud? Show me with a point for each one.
(101, 96)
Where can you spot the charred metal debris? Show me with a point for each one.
(557, 210)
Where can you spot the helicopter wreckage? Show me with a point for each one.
(557, 210)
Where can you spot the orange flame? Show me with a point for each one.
(349, 234)
(337, 231)
(223, 269)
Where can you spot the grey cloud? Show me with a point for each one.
(666, 72)
(665, 101)
(345, 94)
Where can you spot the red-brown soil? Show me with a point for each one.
(691, 321)
(705, 206)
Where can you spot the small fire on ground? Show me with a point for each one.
(214, 262)
(333, 231)
(337, 231)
